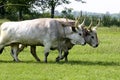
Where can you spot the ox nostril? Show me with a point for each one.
(84, 43)
(96, 45)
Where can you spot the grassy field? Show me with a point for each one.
(85, 62)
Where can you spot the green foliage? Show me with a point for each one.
(16, 7)
(2, 8)
(67, 12)
(88, 20)
(36, 15)
(85, 62)
(51, 5)
(24, 9)
(20, 7)
(3, 20)
(107, 20)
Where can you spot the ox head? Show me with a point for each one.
(91, 35)
(77, 33)
(77, 38)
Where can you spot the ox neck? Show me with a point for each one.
(67, 31)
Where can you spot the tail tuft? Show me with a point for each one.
(1, 50)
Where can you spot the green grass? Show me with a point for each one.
(85, 62)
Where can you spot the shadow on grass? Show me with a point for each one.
(73, 62)
(101, 63)
(5, 61)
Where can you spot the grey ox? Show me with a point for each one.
(90, 35)
(45, 32)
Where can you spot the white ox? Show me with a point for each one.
(46, 32)
(90, 35)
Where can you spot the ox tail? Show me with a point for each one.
(0, 30)
(1, 50)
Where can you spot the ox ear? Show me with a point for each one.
(74, 29)
(94, 28)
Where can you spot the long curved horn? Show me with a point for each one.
(90, 26)
(77, 21)
(97, 25)
(83, 23)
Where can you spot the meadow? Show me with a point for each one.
(85, 62)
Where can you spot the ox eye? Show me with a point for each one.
(80, 34)
(92, 37)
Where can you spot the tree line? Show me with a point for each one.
(21, 7)
(107, 20)
(26, 9)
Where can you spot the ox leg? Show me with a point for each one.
(20, 48)
(33, 52)
(59, 56)
(14, 52)
(46, 53)
(65, 56)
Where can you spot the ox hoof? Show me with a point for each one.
(16, 60)
(38, 60)
(66, 60)
(45, 61)
(57, 59)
